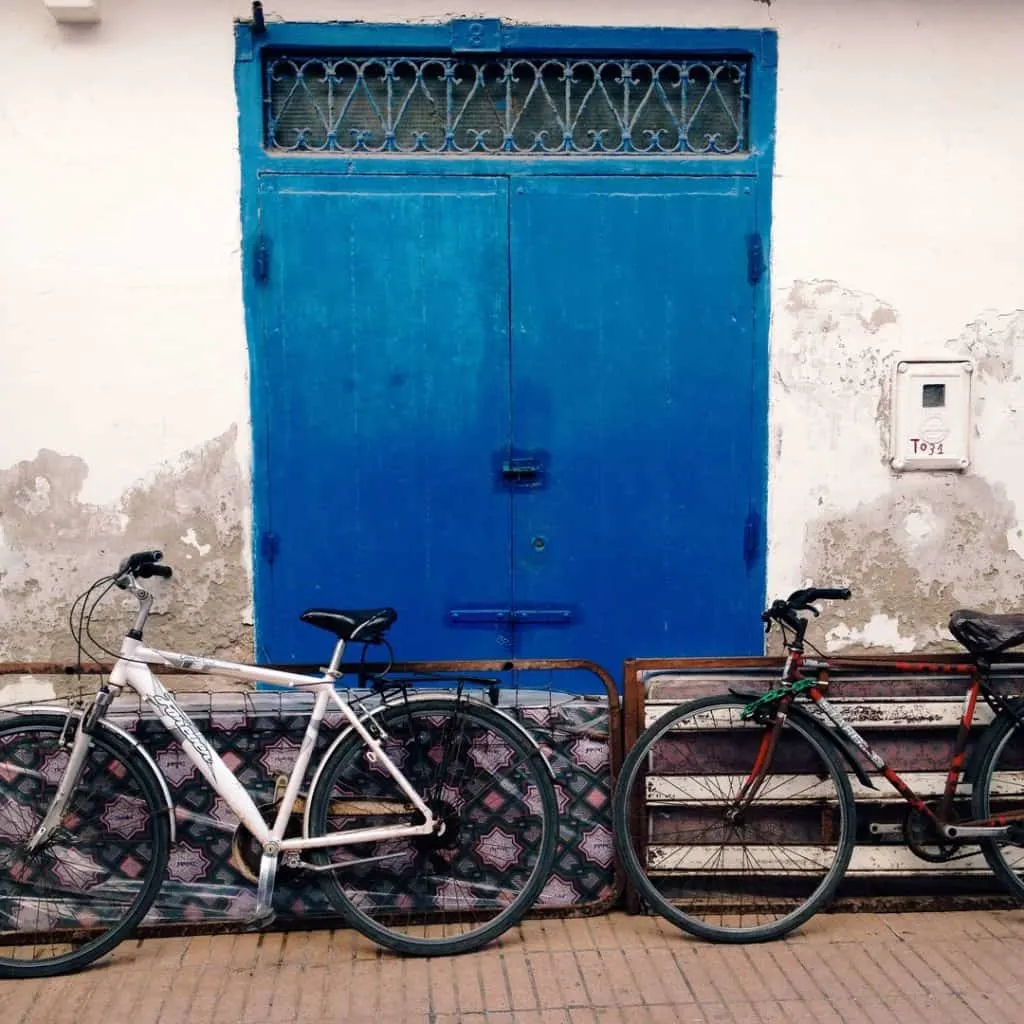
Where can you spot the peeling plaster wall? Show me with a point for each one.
(53, 544)
(123, 387)
(915, 545)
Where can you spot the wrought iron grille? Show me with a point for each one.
(506, 105)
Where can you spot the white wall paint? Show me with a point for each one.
(897, 176)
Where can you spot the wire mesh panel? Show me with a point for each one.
(507, 105)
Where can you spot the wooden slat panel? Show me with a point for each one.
(912, 713)
(745, 860)
(707, 789)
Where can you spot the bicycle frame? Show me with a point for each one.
(132, 669)
(796, 671)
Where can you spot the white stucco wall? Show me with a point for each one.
(121, 324)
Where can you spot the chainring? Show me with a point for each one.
(923, 841)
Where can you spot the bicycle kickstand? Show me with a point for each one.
(264, 912)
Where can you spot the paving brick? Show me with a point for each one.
(625, 989)
(665, 967)
(467, 985)
(443, 996)
(579, 933)
(647, 975)
(693, 967)
(415, 979)
(519, 980)
(557, 980)
(600, 988)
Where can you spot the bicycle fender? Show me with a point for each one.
(126, 737)
(418, 698)
(845, 747)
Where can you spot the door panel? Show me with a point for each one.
(633, 379)
(385, 407)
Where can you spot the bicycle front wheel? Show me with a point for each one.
(89, 884)
(715, 866)
(493, 797)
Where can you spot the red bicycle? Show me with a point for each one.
(750, 818)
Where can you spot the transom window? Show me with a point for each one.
(507, 105)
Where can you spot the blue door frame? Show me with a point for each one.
(750, 170)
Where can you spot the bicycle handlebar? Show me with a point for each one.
(785, 612)
(801, 599)
(142, 564)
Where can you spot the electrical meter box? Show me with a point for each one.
(931, 415)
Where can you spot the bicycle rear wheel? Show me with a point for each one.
(998, 790)
(494, 799)
(85, 888)
(723, 874)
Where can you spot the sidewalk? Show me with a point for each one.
(856, 968)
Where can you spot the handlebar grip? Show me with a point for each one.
(800, 600)
(149, 569)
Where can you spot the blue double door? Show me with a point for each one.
(526, 412)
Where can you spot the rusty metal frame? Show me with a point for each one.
(368, 670)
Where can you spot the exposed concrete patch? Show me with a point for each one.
(52, 545)
(912, 547)
(68, 688)
(935, 543)
(25, 689)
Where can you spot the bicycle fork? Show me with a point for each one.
(72, 775)
(755, 780)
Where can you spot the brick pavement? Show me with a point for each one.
(852, 968)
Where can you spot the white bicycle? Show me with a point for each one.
(433, 818)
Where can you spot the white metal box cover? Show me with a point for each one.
(931, 415)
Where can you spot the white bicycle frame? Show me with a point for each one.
(132, 670)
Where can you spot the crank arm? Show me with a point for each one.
(878, 828)
(975, 831)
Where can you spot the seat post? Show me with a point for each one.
(339, 649)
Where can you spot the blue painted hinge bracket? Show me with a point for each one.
(261, 260)
(755, 258)
(476, 35)
(270, 545)
(751, 538)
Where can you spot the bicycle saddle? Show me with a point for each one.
(986, 634)
(366, 627)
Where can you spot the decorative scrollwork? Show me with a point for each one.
(507, 105)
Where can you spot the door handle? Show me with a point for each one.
(521, 472)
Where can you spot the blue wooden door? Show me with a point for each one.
(635, 395)
(526, 415)
(382, 408)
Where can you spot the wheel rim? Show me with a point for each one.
(479, 871)
(711, 865)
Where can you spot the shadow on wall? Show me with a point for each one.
(912, 546)
(53, 546)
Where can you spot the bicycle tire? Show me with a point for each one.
(88, 887)
(491, 788)
(1001, 761)
(749, 880)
